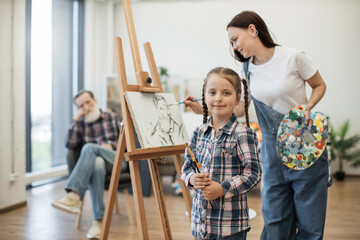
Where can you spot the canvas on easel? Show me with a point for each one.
(157, 123)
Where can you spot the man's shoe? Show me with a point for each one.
(70, 203)
(95, 230)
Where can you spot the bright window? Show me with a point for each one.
(54, 74)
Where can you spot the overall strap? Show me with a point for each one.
(246, 69)
(269, 119)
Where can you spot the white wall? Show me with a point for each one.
(12, 54)
(98, 47)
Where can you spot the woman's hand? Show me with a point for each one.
(195, 106)
(200, 180)
(308, 121)
(213, 191)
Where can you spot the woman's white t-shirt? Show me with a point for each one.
(280, 82)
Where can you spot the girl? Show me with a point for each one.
(230, 163)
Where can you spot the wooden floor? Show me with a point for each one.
(40, 221)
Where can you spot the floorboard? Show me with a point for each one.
(38, 220)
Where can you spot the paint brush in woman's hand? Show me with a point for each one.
(177, 103)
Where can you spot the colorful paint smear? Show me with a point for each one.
(298, 145)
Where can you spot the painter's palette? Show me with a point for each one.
(297, 145)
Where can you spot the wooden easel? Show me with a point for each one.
(127, 137)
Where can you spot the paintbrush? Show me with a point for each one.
(195, 164)
(177, 103)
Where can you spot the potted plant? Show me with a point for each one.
(164, 75)
(343, 148)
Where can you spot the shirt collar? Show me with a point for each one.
(227, 128)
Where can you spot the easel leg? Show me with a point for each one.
(115, 176)
(138, 199)
(185, 191)
(158, 191)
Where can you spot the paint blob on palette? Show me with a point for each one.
(298, 145)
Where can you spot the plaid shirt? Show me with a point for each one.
(231, 159)
(104, 130)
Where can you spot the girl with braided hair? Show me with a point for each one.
(230, 166)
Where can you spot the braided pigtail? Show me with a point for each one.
(246, 98)
(205, 108)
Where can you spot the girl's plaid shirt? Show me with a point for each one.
(231, 159)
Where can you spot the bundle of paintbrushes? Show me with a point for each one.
(195, 163)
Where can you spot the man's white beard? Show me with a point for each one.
(93, 115)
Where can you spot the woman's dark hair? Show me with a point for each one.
(243, 20)
(235, 81)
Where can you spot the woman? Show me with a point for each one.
(293, 202)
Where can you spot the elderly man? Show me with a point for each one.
(96, 133)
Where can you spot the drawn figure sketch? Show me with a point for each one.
(156, 123)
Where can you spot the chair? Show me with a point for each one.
(124, 184)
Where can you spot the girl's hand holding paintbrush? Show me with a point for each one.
(210, 189)
(200, 180)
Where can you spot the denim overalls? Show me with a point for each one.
(293, 201)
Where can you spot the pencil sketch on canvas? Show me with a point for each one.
(156, 123)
